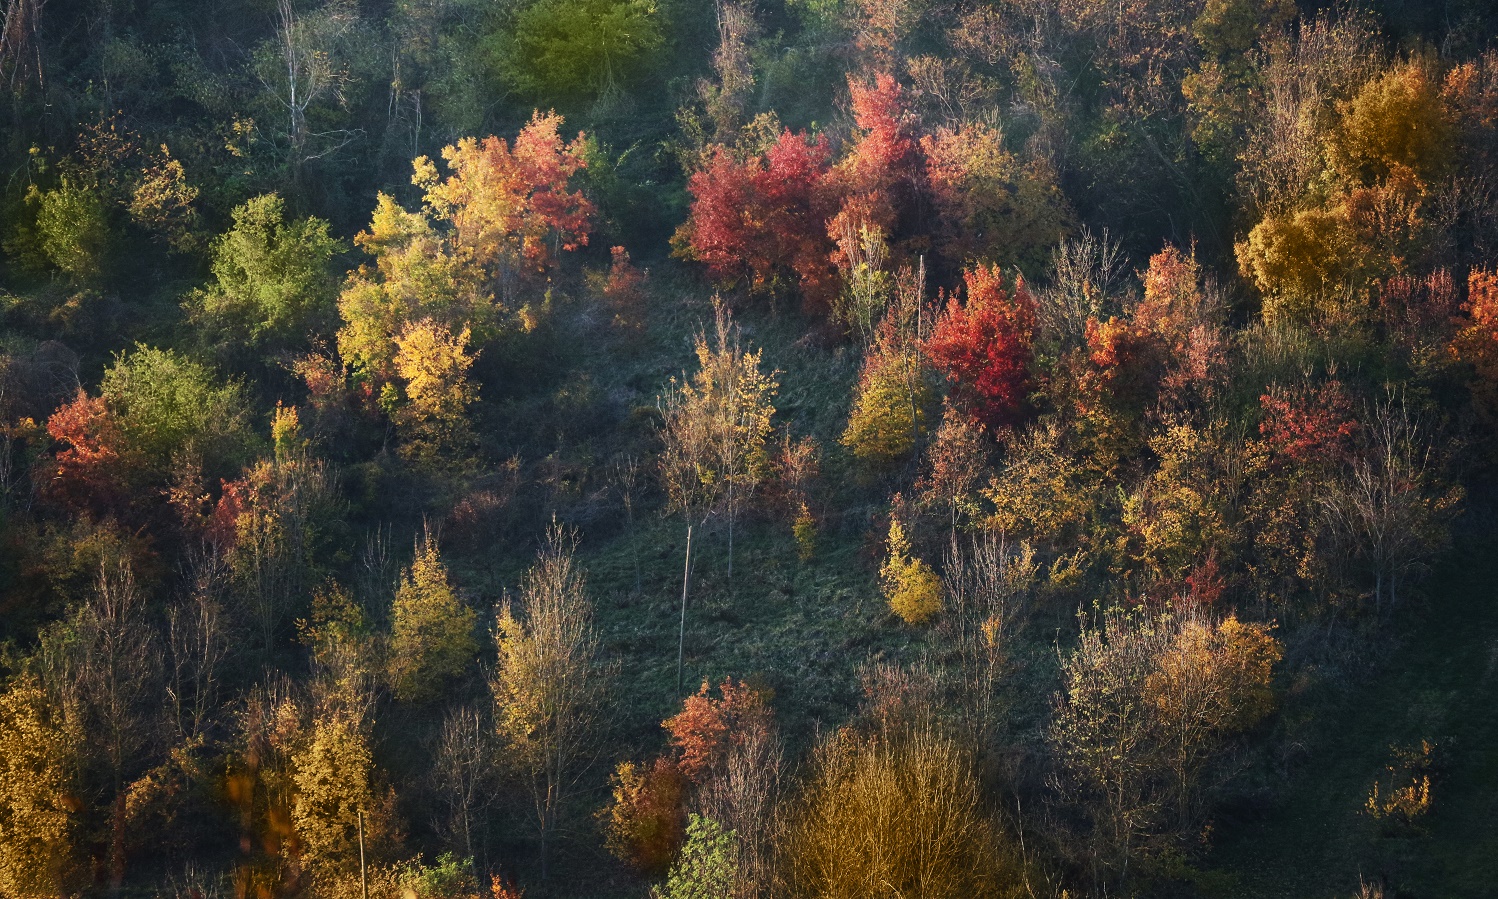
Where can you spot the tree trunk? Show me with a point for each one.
(681, 637)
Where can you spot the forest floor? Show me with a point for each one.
(1438, 683)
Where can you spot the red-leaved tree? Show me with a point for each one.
(985, 346)
(763, 219)
(881, 176)
(1309, 426)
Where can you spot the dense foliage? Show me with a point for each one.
(1027, 421)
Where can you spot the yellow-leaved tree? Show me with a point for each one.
(334, 776)
(432, 363)
(549, 681)
(912, 588)
(503, 212)
(1148, 703)
(431, 630)
(36, 773)
(891, 406)
(899, 813)
(715, 427)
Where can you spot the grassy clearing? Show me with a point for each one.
(1439, 683)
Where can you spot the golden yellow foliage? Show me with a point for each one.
(1397, 120)
(35, 778)
(1408, 796)
(1148, 703)
(898, 814)
(887, 416)
(432, 363)
(431, 630)
(334, 779)
(912, 588)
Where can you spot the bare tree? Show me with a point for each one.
(989, 586)
(1393, 506)
(1087, 281)
(110, 663)
(308, 70)
(550, 681)
(626, 473)
(198, 644)
(20, 49)
(462, 772)
(744, 797)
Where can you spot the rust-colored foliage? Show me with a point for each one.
(1419, 311)
(705, 727)
(89, 468)
(1476, 342)
(646, 823)
(882, 171)
(499, 888)
(984, 346)
(1126, 363)
(624, 288)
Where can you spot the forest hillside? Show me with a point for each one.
(748, 449)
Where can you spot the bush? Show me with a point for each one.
(896, 814)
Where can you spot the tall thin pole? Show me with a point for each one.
(681, 637)
(363, 879)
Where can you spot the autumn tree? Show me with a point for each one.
(732, 746)
(1181, 513)
(890, 406)
(431, 630)
(1385, 145)
(336, 796)
(761, 219)
(272, 279)
(1146, 704)
(983, 346)
(1306, 440)
(991, 208)
(503, 213)
(432, 365)
(704, 730)
(715, 428)
(1476, 340)
(511, 207)
(644, 822)
(92, 464)
(881, 175)
(911, 587)
(549, 681)
(1394, 506)
(899, 811)
(37, 782)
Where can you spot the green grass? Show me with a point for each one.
(1438, 681)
